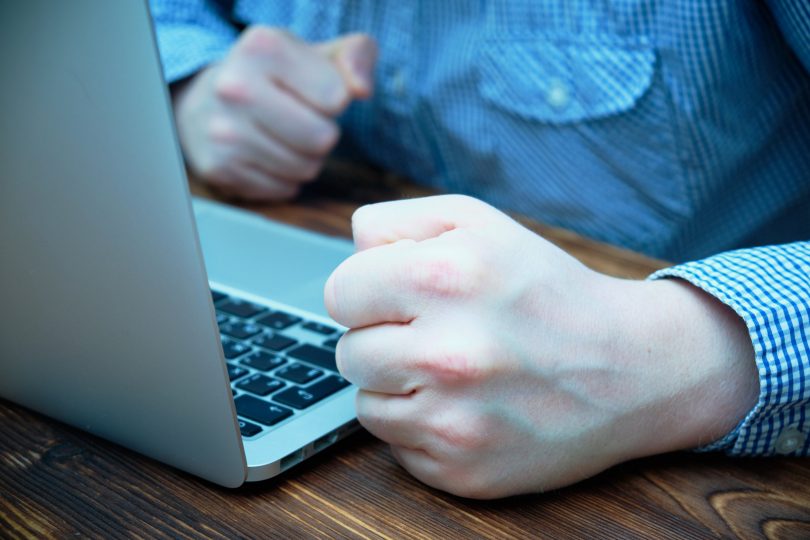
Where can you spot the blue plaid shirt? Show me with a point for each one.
(676, 128)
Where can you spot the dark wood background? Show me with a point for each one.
(56, 481)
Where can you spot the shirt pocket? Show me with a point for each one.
(560, 109)
(564, 80)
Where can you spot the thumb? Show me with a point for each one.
(355, 56)
(418, 219)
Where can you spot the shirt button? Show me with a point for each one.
(790, 440)
(399, 83)
(558, 94)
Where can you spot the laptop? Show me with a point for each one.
(186, 330)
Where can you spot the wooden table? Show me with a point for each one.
(56, 481)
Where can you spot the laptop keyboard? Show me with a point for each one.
(279, 364)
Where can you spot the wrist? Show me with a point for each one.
(179, 88)
(698, 358)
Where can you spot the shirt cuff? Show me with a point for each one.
(769, 288)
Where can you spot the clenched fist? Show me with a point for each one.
(496, 364)
(260, 123)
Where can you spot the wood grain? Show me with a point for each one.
(57, 482)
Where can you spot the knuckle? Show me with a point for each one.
(468, 363)
(232, 88)
(221, 130)
(452, 366)
(460, 432)
(463, 362)
(454, 274)
(265, 41)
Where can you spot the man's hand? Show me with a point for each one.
(495, 364)
(260, 123)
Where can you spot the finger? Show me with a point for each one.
(380, 358)
(245, 182)
(393, 419)
(293, 122)
(418, 219)
(370, 287)
(355, 56)
(295, 66)
(420, 464)
(275, 158)
(447, 476)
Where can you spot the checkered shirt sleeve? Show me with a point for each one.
(191, 34)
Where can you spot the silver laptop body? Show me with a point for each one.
(105, 262)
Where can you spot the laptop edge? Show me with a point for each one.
(110, 326)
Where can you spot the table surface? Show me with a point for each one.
(56, 481)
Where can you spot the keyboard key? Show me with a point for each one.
(274, 342)
(260, 385)
(319, 328)
(217, 296)
(278, 320)
(261, 411)
(223, 318)
(234, 349)
(314, 355)
(234, 372)
(247, 429)
(240, 330)
(298, 373)
(331, 343)
(301, 398)
(241, 308)
(262, 361)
